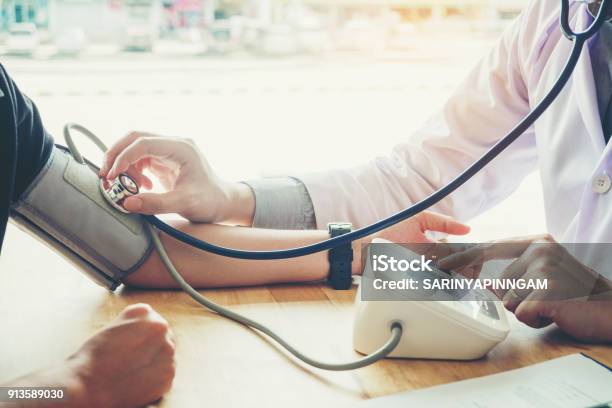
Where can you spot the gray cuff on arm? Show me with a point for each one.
(282, 203)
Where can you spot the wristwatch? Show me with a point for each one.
(340, 258)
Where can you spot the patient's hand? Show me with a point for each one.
(129, 363)
(193, 190)
(413, 230)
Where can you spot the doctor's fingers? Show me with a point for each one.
(140, 149)
(136, 172)
(151, 203)
(535, 312)
(530, 272)
(481, 253)
(178, 151)
(516, 270)
(499, 249)
(118, 147)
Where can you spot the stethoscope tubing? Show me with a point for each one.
(578, 38)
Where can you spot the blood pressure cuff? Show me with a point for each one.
(64, 207)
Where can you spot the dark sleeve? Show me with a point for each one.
(25, 145)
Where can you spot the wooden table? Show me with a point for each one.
(47, 309)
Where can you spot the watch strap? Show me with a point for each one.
(340, 258)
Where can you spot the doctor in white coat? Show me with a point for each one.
(567, 144)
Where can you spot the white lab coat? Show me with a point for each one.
(566, 143)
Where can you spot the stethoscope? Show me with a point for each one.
(578, 38)
(396, 329)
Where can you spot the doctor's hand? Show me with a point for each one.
(577, 299)
(193, 190)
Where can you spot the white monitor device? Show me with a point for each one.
(445, 328)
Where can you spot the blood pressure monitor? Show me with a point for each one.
(439, 324)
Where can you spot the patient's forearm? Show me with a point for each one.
(202, 269)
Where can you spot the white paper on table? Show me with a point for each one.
(566, 382)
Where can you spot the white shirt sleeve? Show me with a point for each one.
(490, 101)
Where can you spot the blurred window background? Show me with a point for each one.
(270, 27)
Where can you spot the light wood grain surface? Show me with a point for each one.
(47, 309)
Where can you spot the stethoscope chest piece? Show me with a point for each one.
(117, 190)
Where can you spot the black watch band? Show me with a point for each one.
(340, 258)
